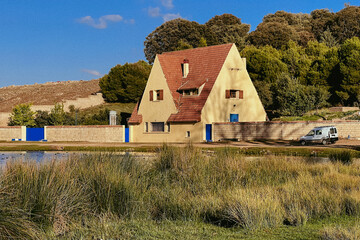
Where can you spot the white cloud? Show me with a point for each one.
(167, 3)
(92, 72)
(102, 22)
(130, 21)
(171, 16)
(154, 12)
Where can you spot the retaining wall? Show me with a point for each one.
(98, 133)
(9, 133)
(279, 130)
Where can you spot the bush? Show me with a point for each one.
(344, 157)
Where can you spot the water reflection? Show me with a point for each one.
(38, 156)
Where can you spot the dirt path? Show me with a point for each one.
(344, 143)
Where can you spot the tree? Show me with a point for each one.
(57, 115)
(42, 119)
(166, 37)
(125, 83)
(202, 42)
(227, 28)
(346, 23)
(349, 54)
(22, 115)
(182, 45)
(275, 34)
(321, 20)
(263, 64)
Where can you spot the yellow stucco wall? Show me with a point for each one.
(233, 75)
(177, 133)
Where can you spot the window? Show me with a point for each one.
(234, 94)
(156, 95)
(158, 126)
(187, 134)
(146, 127)
(168, 127)
(318, 132)
(190, 92)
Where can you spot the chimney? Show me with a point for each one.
(185, 68)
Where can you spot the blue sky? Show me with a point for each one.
(59, 40)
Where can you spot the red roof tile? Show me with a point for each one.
(204, 67)
(135, 117)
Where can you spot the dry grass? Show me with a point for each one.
(180, 184)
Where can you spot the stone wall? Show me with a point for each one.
(99, 133)
(9, 133)
(280, 130)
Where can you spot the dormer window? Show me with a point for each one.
(190, 92)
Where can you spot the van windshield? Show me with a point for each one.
(311, 133)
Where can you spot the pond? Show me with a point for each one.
(41, 156)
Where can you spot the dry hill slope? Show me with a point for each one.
(46, 94)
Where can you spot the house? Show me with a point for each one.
(188, 90)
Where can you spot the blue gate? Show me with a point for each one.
(35, 134)
(234, 117)
(208, 133)
(127, 135)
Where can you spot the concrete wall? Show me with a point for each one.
(99, 133)
(9, 133)
(280, 130)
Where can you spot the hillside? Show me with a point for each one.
(47, 93)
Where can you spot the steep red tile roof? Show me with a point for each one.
(135, 117)
(204, 67)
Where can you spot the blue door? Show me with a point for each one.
(208, 133)
(34, 134)
(234, 117)
(127, 135)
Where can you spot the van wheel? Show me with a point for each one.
(324, 142)
(303, 142)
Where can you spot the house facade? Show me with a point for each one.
(189, 90)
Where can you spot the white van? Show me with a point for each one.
(324, 135)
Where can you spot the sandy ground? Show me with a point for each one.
(342, 143)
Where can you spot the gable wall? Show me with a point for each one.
(217, 108)
(160, 111)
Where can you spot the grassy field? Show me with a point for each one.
(185, 193)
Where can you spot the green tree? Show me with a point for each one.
(57, 114)
(227, 28)
(22, 115)
(275, 34)
(349, 54)
(297, 62)
(182, 45)
(346, 23)
(42, 118)
(125, 83)
(263, 64)
(166, 37)
(202, 42)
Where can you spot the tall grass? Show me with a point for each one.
(225, 189)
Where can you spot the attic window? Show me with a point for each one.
(234, 94)
(190, 92)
